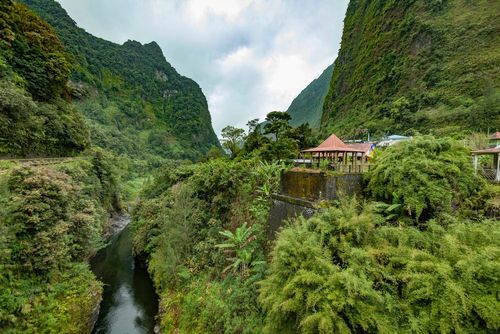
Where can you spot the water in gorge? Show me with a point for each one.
(129, 303)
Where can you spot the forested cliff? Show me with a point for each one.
(307, 107)
(416, 65)
(135, 101)
(35, 117)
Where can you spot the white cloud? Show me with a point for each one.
(249, 56)
(199, 11)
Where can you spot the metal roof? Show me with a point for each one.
(493, 150)
(496, 135)
(334, 144)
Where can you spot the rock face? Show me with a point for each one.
(419, 65)
(94, 315)
(130, 112)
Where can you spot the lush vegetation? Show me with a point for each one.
(307, 107)
(418, 254)
(134, 100)
(202, 227)
(347, 270)
(426, 176)
(35, 119)
(416, 66)
(52, 220)
(274, 139)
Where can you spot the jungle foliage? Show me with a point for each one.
(52, 219)
(426, 263)
(418, 254)
(416, 66)
(275, 139)
(134, 100)
(202, 227)
(348, 271)
(35, 119)
(427, 176)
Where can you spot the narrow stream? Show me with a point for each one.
(129, 303)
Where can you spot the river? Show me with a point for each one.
(129, 303)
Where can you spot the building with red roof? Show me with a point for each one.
(349, 158)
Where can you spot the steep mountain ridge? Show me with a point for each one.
(135, 101)
(307, 107)
(416, 66)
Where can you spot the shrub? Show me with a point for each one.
(428, 176)
(39, 218)
(346, 271)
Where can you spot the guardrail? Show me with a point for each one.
(340, 167)
(489, 174)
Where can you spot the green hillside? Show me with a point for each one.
(135, 101)
(35, 119)
(419, 65)
(307, 107)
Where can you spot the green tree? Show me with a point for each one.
(232, 138)
(346, 271)
(254, 140)
(40, 218)
(304, 136)
(277, 123)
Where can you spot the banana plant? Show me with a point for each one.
(240, 246)
(391, 212)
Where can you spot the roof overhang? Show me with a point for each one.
(494, 150)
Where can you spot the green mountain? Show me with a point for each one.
(418, 65)
(307, 107)
(135, 101)
(35, 118)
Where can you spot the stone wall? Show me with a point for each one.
(301, 190)
(285, 207)
(314, 185)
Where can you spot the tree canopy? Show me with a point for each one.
(231, 139)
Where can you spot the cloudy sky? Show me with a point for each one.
(249, 56)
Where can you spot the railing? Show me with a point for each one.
(352, 169)
(340, 167)
(489, 174)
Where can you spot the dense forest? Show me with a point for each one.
(134, 100)
(416, 66)
(35, 116)
(52, 219)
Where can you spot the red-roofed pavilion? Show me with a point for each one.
(340, 156)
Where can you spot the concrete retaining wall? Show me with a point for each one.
(302, 190)
(318, 186)
(283, 208)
